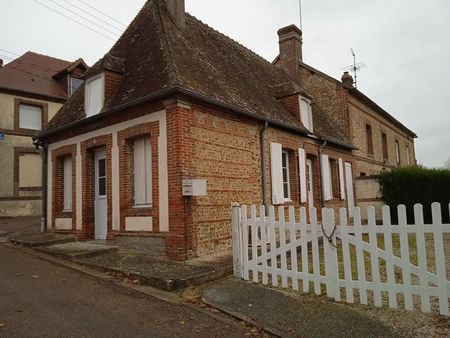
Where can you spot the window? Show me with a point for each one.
(74, 84)
(397, 152)
(142, 172)
(94, 95)
(30, 117)
(285, 170)
(67, 183)
(408, 158)
(334, 178)
(306, 113)
(384, 146)
(369, 139)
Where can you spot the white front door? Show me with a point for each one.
(309, 183)
(100, 202)
(349, 188)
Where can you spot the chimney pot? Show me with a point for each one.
(347, 80)
(290, 40)
(176, 9)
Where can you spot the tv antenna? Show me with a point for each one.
(355, 67)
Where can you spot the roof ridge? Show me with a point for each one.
(45, 55)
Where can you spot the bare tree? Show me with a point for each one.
(447, 163)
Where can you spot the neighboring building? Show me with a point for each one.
(381, 142)
(33, 88)
(173, 101)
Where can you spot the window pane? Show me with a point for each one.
(101, 168)
(74, 85)
(102, 186)
(30, 117)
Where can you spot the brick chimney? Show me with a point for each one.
(176, 9)
(290, 40)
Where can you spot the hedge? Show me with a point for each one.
(411, 185)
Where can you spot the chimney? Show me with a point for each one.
(177, 12)
(347, 80)
(290, 40)
(1, 63)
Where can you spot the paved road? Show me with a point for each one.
(39, 299)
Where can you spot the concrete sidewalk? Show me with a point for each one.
(290, 317)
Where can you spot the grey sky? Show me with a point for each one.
(405, 43)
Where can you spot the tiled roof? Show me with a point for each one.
(159, 56)
(33, 73)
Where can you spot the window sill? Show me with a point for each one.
(67, 211)
(146, 206)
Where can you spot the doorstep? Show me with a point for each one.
(160, 273)
(73, 250)
(32, 237)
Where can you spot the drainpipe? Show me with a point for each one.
(322, 200)
(42, 148)
(263, 162)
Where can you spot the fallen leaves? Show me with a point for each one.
(2, 325)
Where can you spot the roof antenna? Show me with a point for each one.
(300, 11)
(355, 67)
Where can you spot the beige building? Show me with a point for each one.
(33, 88)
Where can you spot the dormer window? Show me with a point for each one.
(94, 95)
(74, 84)
(306, 113)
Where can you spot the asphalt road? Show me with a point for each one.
(39, 299)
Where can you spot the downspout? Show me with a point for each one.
(263, 162)
(322, 200)
(42, 148)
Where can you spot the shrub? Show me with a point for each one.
(411, 185)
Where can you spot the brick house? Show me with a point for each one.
(173, 101)
(381, 141)
(33, 88)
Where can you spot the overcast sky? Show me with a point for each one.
(405, 43)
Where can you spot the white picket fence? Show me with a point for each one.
(270, 249)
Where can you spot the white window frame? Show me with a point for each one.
(306, 117)
(286, 180)
(67, 181)
(88, 110)
(29, 107)
(142, 178)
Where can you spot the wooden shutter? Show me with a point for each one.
(326, 173)
(302, 171)
(276, 170)
(341, 179)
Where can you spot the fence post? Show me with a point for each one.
(237, 239)
(330, 252)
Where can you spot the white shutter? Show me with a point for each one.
(68, 183)
(326, 173)
(276, 170)
(148, 171)
(302, 170)
(94, 96)
(30, 117)
(341, 179)
(139, 171)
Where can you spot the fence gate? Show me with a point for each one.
(400, 265)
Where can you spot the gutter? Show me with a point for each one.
(263, 163)
(42, 148)
(163, 94)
